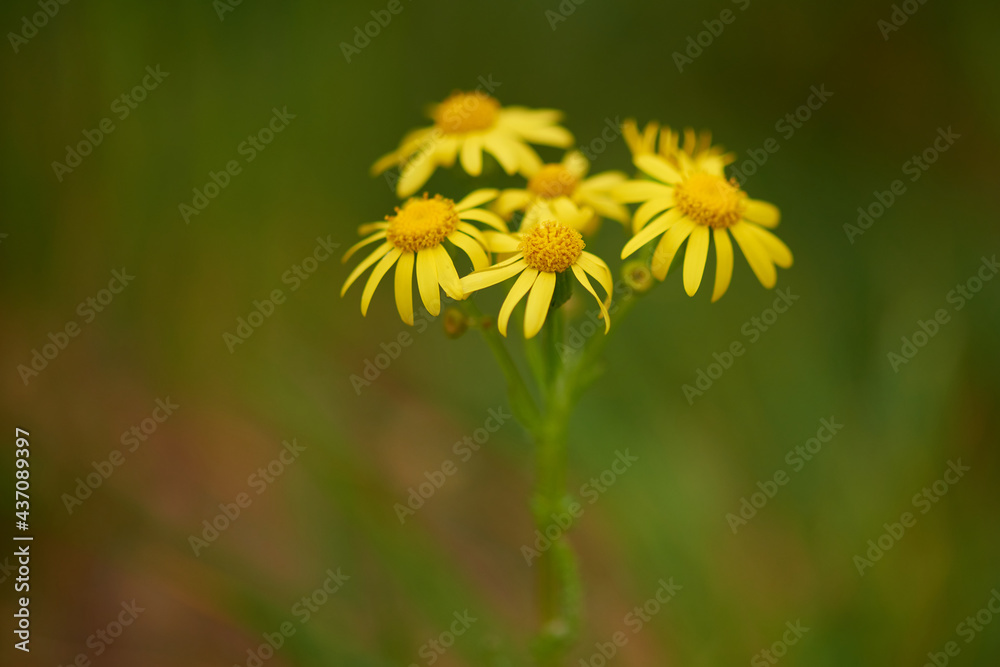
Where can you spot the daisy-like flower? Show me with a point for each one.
(697, 150)
(542, 253)
(413, 240)
(688, 198)
(465, 124)
(563, 191)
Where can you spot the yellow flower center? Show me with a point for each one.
(710, 200)
(551, 247)
(466, 112)
(421, 223)
(553, 180)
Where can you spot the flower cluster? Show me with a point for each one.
(536, 232)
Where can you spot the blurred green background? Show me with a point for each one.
(332, 507)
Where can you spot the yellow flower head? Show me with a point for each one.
(687, 198)
(562, 191)
(697, 150)
(413, 240)
(541, 253)
(466, 124)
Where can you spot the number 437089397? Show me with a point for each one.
(22, 453)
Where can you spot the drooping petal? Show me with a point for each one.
(361, 244)
(376, 277)
(762, 212)
(663, 256)
(582, 277)
(757, 256)
(596, 267)
(474, 232)
(650, 232)
(657, 167)
(511, 200)
(539, 300)
(404, 287)
(447, 275)
(694, 259)
(427, 281)
(503, 150)
(472, 248)
(650, 210)
(476, 198)
(415, 173)
(472, 155)
(368, 261)
(517, 292)
(723, 263)
(491, 276)
(775, 247)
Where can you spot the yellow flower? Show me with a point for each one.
(465, 124)
(414, 237)
(542, 253)
(689, 198)
(696, 152)
(562, 191)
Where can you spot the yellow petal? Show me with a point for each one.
(447, 275)
(668, 246)
(474, 232)
(472, 156)
(472, 248)
(414, 174)
(582, 277)
(498, 242)
(547, 135)
(361, 244)
(486, 217)
(762, 213)
(694, 259)
(404, 287)
(657, 167)
(528, 160)
(650, 232)
(517, 292)
(757, 256)
(775, 247)
(606, 206)
(427, 281)
(596, 267)
(636, 191)
(489, 277)
(723, 263)
(539, 300)
(476, 198)
(376, 277)
(511, 200)
(368, 261)
(502, 149)
(650, 210)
